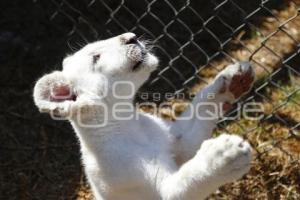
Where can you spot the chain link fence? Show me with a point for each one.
(194, 39)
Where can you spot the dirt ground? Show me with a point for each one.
(39, 158)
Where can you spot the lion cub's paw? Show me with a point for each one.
(236, 79)
(227, 157)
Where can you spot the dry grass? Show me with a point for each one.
(267, 47)
(275, 170)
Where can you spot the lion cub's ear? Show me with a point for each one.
(53, 93)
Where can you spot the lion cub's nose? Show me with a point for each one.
(129, 38)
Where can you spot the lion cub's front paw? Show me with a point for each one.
(227, 157)
(236, 80)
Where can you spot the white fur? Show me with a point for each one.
(135, 159)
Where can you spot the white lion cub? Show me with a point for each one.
(129, 155)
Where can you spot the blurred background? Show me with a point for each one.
(194, 39)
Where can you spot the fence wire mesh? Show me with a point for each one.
(196, 39)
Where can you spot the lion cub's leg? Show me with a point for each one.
(198, 121)
(219, 161)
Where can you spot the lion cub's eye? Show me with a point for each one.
(96, 57)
